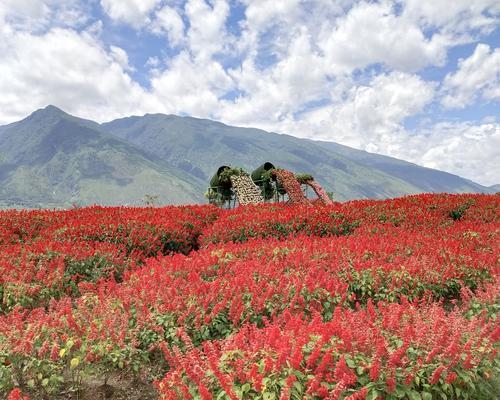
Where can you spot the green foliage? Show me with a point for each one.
(223, 193)
(457, 213)
(225, 176)
(374, 284)
(266, 185)
(303, 178)
(219, 195)
(90, 269)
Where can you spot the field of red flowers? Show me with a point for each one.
(393, 299)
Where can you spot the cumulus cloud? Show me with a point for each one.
(189, 87)
(67, 68)
(476, 76)
(366, 116)
(169, 22)
(21, 14)
(120, 56)
(270, 95)
(39, 15)
(466, 149)
(371, 118)
(133, 12)
(207, 33)
(261, 13)
(372, 33)
(454, 17)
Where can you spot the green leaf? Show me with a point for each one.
(350, 363)
(298, 386)
(426, 396)
(413, 395)
(373, 394)
(269, 396)
(246, 388)
(221, 395)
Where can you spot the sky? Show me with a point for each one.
(414, 79)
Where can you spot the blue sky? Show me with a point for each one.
(413, 79)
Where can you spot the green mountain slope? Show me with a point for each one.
(199, 146)
(51, 159)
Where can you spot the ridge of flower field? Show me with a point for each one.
(365, 299)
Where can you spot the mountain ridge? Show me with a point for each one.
(151, 143)
(52, 158)
(66, 160)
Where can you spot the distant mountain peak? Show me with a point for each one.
(51, 114)
(51, 109)
(48, 112)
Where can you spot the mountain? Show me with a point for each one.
(495, 188)
(425, 179)
(199, 146)
(53, 159)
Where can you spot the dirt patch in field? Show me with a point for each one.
(120, 391)
(115, 389)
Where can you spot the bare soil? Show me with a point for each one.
(116, 388)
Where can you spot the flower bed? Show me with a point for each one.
(366, 299)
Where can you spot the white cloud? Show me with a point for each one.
(366, 116)
(18, 13)
(187, 86)
(372, 33)
(457, 16)
(465, 149)
(39, 15)
(68, 69)
(133, 12)
(153, 62)
(283, 20)
(168, 21)
(270, 95)
(261, 13)
(371, 118)
(120, 56)
(207, 34)
(476, 76)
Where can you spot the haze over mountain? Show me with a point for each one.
(52, 159)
